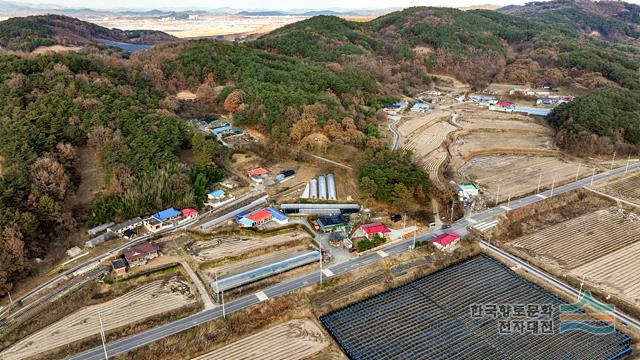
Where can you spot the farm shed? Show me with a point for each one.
(126, 225)
(332, 223)
(250, 276)
(118, 267)
(319, 209)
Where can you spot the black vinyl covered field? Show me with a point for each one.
(462, 312)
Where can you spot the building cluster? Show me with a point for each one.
(420, 107)
(219, 197)
(259, 176)
(323, 188)
(168, 218)
(108, 231)
(261, 217)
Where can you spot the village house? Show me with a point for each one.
(161, 219)
(257, 175)
(446, 242)
(372, 230)
(140, 254)
(188, 214)
(420, 107)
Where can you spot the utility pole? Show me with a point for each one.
(10, 300)
(553, 184)
(217, 288)
(452, 204)
(104, 346)
(539, 183)
(592, 175)
(508, 201)
(627, 167)
(414, 238)
(498, 193)
(612, 160)
(578, 172)
(581, 284)
(320, 265)
(224, 313)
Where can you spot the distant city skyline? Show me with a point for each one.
(264, 5)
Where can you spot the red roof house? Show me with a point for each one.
(446, 240)
(504, 104)
(258, 171)
(373, 229)
(260, 216)
(189, 212)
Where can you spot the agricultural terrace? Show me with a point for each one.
(518, 175)
(292, 340)
(148, 300)
(430, 318)
(234, 245)
(433, 162)
(473, 117)
(583, 239)
(430, 139)
(625, 188)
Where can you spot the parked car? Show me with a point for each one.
(395, 218)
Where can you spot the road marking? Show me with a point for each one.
(541, 196)
(382, 253)
(328, 272)
(505, 208)
(472, 221)
(262, 296)
(484, 226)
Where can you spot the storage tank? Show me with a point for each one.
(322, 187)
(313, 189)
(331, 187)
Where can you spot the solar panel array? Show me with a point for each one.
(430, 318)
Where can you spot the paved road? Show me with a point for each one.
(392, 127)
(146, 337)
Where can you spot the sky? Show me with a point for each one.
(266, 4)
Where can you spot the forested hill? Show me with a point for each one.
(610, 20)
(476, 46)
(28, 33)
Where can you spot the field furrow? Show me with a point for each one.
(293, 340)
(579, 241)
(146, 301)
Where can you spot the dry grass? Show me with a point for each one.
(548, 212)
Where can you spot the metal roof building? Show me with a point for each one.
(166, 214)
(250, 276)
(320, 209)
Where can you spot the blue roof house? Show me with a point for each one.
(166, 214)
(420, 107)
(216, 194)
